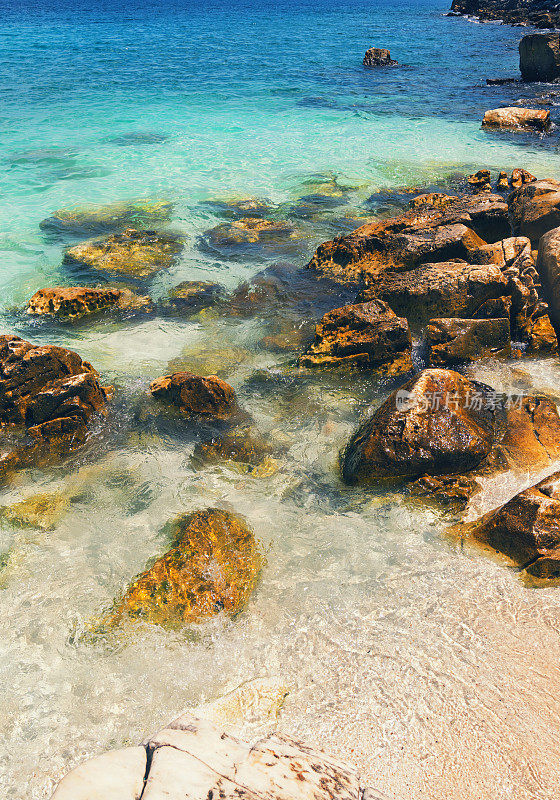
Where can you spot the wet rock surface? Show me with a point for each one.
(72, 303)
(114, 217)
(213, 566)
(527, 528)
(441, 423)
(189, 297)
(535, 208)
(136, 254)
(515, 118)
(453, 341)
(365, 335)
(197, 397)
(48, 393)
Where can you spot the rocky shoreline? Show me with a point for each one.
(539, 13)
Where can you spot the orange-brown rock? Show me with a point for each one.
(426, 233)
(432, 200)
(441, 423)
(70, 303)
(504, 252)
(453, 341)
(519, 177)
(480, 181)
(248, 231)
(502, 184)
(49, 394)
(213, 566)
(365, 335)
(515, 118)
(527, 528)
(136, 254)
(198, 397)
(378, 57)
(548, 267)
(449, 289)
(535, 208)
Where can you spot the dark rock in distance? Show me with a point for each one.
(539, 57)
(378, 57)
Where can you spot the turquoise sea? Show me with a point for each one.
(433, 669)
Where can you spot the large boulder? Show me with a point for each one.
(134, 253)
(453, 341)
(71, 303)
(527, 528)
(213, 566)
(49, 395)
(197, 397)
(516, 118)
(535, 208)
(448, 289)
(365, 335)
(93, 219)
(539, 57)
(437, 228)
(548, 267)
(441, 423)
(378, 57)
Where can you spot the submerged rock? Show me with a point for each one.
(242, 445)
(71, 303)
(365, 335)
(84, 220)
(197, 397)
(50, 394)
(240, 207)
(539, 57)
(535, 208)
(213, 566)
(249, 230)
(515, 118)
(378, 57)
(189, 297)
(441, 423)
(43, 510)
(137, 254)
(527, 528)
(453, 341)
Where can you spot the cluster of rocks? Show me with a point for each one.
(540, 13)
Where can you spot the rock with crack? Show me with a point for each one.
(442, 423)
(515, 118)
(453, 341)
(527, 528)
(48, 396)
(134, 254)
(212, 566)
(365, 335)
(535, 208)
(73, 303)
(192, 759)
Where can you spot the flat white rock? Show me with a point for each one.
(116, 775)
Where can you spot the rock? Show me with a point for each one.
(539, 57)
(463, 340)
(136, 254)
(115, 775)
(427, 233)
(48, 393)
(502, 184)
(452, 491)
(418, 431)
(515, 118)
(71, 303)
(213, 566)
(503, 253)
(548, 267)
(513, 12)
(432, 200)
(480, 180)
(378, 57)
(189, 297)
(540, 335)
(243, 445)
(42, 510)
(197, 397)
(258, 700)
(92, 219)
(500, 81)
(535, 208)
(441, 423)
(238, 208)
(449, 289)
(249, 230)
(366, 335)
(527, 528)
(519, 177)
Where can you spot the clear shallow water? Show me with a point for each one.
(433, 669)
